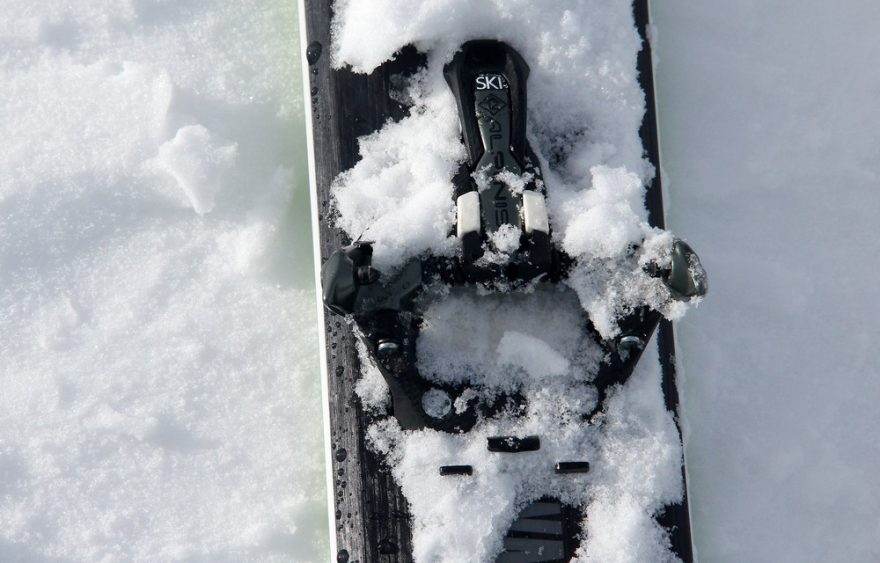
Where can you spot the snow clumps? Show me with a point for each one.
(197, 165)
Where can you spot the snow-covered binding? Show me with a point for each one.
(505, 242)
(488, 79)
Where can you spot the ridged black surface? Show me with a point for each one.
(545, 531)
(372, 521)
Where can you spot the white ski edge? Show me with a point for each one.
(316, 252)
(651, 36)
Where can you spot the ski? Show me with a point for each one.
(389, 403)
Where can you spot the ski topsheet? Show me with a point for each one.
(494, 269)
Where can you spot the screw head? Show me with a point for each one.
(387, 347)
(629, 344)
(436, 403)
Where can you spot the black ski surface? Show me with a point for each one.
(372, 522)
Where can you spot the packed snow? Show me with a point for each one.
(158, 351)
(585, 109)
(484, 338)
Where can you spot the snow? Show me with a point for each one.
(399, 195)
(768, 122)
(197, 165)
(484, 338)
(160, 396)
(158, 352)
(536, 357)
